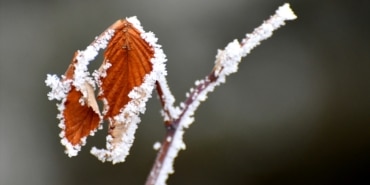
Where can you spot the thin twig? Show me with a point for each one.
(227, 61)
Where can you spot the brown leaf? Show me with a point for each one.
(81, 114)
(129, 56)
(80, 120)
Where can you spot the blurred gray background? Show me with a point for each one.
(297, 111)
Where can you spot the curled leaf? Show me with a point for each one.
(81, 116)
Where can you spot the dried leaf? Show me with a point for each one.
(127, 78)
(81, 113)
(129, 56)
(80, 120)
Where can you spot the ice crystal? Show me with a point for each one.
(157, 145)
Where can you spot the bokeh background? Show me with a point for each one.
(297, 111)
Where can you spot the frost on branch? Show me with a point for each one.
(227, 61)
(264, 31)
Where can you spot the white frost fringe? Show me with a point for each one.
(227, 61)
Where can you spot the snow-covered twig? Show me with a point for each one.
(227, 61)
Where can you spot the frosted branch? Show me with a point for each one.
(124, 93)
(227, 62)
